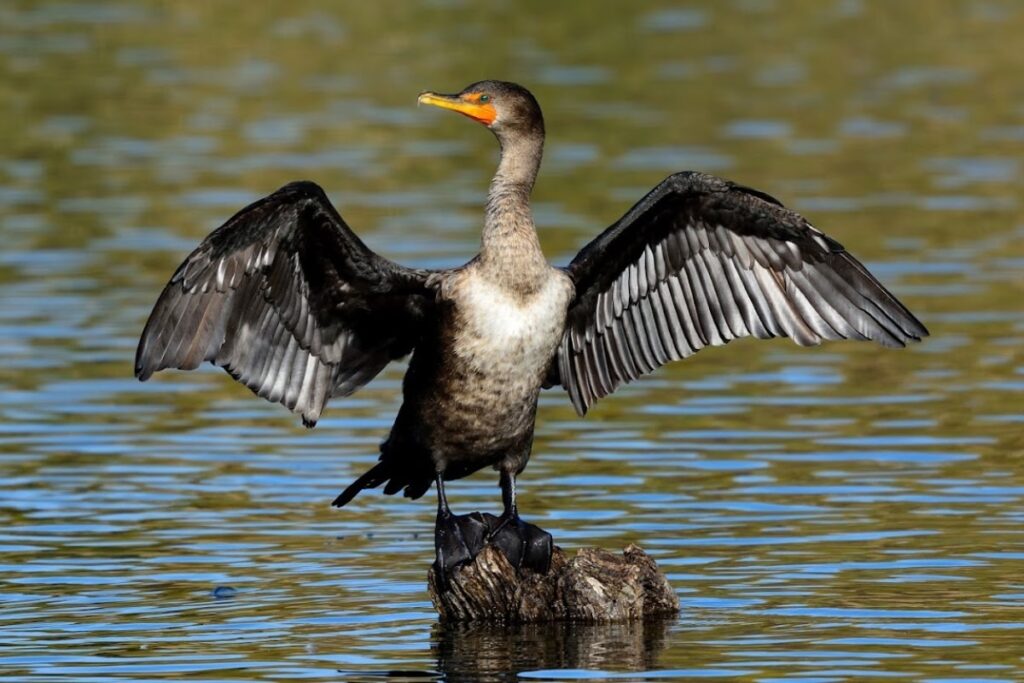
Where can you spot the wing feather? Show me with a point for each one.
(287, 299)
(700, 262)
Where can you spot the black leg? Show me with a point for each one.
(525, 545)
(457, 538)
(510, 514)
(442, 500)
(508, 494)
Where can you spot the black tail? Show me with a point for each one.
(377, 475)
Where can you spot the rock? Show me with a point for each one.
(594, 586)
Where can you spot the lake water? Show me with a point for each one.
(832, 514)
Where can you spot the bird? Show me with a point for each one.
(288, 300)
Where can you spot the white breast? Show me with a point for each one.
(504, 333)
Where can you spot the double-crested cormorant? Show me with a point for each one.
(289, 301)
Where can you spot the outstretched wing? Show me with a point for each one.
(701, 261)
(290, 302)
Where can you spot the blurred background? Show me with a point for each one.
(825, 514)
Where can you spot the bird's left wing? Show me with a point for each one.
(701, 261)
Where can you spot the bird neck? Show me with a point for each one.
(509, 241)
(520, 159)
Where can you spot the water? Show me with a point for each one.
(833, 514)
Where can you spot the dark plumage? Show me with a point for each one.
(288, 300)
(701, 261)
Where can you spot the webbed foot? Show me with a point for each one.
(457, 540)
(523, 544)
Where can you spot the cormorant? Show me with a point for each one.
(287, 299)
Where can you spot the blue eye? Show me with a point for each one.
(485, 98)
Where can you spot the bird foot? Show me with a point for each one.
(523, 544)
(458, 539)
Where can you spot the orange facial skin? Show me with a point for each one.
(467, 104)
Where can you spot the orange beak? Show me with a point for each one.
(466, 104)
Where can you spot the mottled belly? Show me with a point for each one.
(494, 363)
(484, 423)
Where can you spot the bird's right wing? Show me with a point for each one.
(287, 299)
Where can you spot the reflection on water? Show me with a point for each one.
(499, 653)
(826, 515)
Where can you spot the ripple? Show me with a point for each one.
(839, 513)
(673, 20)
(757, 129)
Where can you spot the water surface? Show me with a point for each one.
(831, 514)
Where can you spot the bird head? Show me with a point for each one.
(505, 108)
